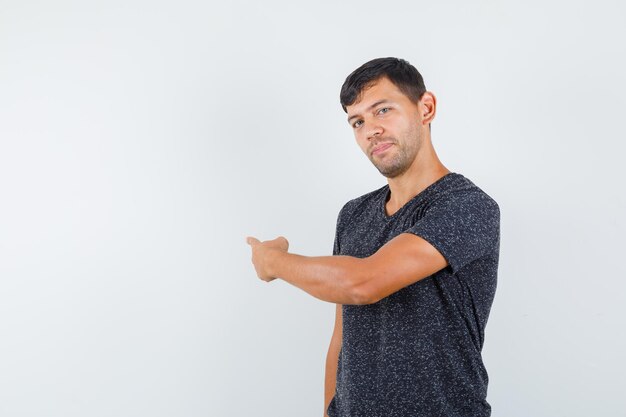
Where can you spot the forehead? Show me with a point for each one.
(381, 89)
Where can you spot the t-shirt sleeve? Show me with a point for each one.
(463, 226)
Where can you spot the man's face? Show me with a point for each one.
(386, 126)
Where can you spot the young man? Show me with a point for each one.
(414, 265)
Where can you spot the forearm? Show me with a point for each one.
(334, 279)
(330, 380)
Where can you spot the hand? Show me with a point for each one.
(261, 253)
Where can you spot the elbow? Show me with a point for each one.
(361, 288)
(360, 296)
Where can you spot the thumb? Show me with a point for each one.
(252, 240)
(283, 240)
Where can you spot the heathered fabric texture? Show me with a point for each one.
(417, 352)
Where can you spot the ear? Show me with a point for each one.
(427, 107)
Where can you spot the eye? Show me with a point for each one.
(357, 123)
(383, 110)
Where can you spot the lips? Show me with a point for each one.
(381, 147)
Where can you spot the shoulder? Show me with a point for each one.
(466, 203)
(463, 194)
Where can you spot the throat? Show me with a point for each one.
(390, 209)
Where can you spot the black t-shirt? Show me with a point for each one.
(417, 352)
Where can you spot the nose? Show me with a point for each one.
(374, 130)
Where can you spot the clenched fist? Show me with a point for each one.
(262, 253)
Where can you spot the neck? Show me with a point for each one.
(425, 170)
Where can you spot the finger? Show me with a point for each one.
(252, 240)
(280, 239)
(283, 240)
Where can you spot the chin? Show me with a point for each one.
(392, 172)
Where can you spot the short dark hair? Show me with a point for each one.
(402, 74)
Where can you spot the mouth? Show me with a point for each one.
(382, 147)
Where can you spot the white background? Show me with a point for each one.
(141, 141)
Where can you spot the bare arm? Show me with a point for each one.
(332, 358)
(341, 279)
(329, 278)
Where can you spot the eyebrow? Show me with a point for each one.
(370, 107)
